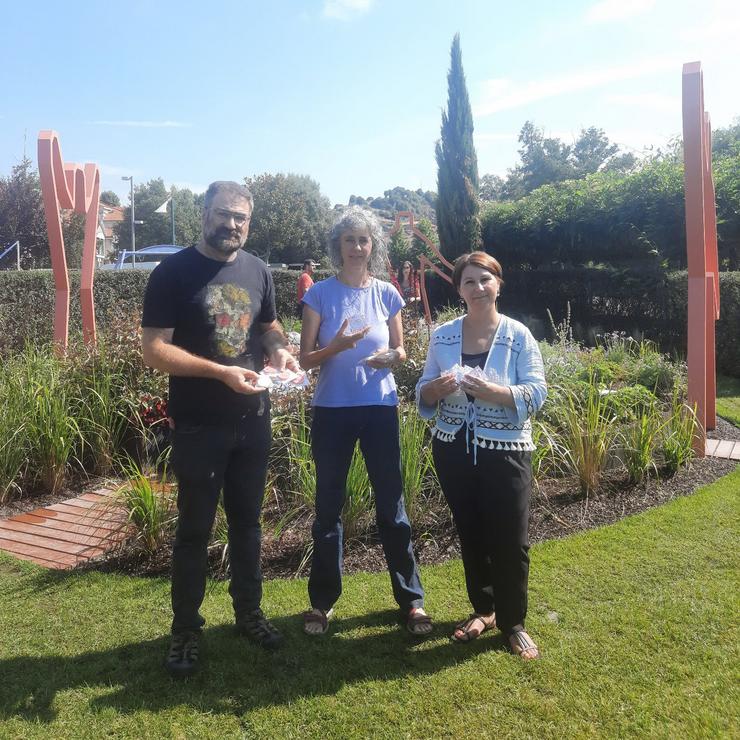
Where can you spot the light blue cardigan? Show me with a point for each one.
(513, 360)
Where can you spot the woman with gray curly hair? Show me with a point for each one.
(352, 329)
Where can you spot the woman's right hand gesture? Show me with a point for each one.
(342, 341)
(435, 390)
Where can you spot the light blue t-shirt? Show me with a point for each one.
(345, 380)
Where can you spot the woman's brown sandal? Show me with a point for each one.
(468, 630)
(416, 622)
(316, 617)
(523, 645)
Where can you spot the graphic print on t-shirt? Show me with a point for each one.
(230, 309)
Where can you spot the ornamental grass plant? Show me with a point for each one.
(150, 504)
(584, 438)
(678, 434)
(640, 439)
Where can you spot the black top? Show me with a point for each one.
(214, 308)
(476, 360)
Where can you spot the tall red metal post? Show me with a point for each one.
(71, 186)
(701, 247)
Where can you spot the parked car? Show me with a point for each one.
(142, 259)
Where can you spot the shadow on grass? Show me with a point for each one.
(236, 676)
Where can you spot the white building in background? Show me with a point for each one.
(108, 217)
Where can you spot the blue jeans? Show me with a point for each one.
(206, 459)
(334, 433)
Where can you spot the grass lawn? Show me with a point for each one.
(728, 398)
(638, 624)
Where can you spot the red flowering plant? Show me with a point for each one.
(152, 410)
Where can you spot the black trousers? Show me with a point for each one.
(206, 459)
(490, 505)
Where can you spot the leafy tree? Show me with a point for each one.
(726, 141)
(73, 228)
(419, 202)
(457, 167)
(291, 217)
(157, 228)
(399, 248)
(110, 198)
(543, 160)
(546, 160)
(22, 216)
(418, 246)
(591, 150)
(492, 187)
(623, 162)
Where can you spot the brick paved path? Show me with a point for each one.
(65, 534)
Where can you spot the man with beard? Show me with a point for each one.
(209, 321)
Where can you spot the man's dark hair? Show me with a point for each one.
(307, 263)
(230, 187)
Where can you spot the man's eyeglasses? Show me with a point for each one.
(239, 218)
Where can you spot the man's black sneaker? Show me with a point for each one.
(256, 628)
(182, 660)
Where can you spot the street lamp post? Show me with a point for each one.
(130, 178)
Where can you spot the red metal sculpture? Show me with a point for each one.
(701, 247)
(77, 187)
(424, 261)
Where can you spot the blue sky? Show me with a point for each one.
(346, 91)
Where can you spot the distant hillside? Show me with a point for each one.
(419, 202)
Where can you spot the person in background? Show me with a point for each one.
(352, 329)
(305, 281)
(482, 446)
(408, 282)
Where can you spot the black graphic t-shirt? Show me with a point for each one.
(215, 308)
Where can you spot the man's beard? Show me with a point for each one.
(224, 240)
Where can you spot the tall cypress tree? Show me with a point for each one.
(458, 223)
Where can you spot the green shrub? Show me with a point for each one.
(628, 403)
(603, 372)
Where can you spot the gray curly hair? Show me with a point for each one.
(356, 217)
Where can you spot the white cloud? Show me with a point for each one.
(649, 101)
(504, 94)
(617, 10)
(345, 10)
(143, 124)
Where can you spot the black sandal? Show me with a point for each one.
(415, 620)
(468, 632)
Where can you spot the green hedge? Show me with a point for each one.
(647, 303)
(27, 301)
(641, 303)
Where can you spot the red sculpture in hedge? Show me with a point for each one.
(701, 247)
(424, 261)
(77, 187)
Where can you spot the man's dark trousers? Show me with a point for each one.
(206, 459)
